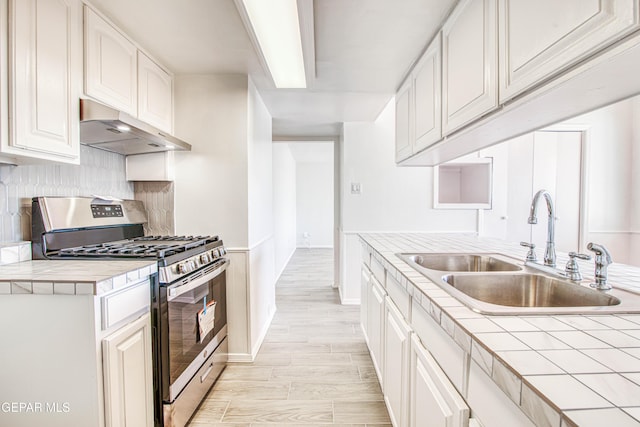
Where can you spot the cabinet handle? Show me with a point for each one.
(206, 374)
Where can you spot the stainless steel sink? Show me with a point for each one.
(493, 283)
(462, 262)
(528, 290)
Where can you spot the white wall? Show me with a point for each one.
(612, 186)
(262, 296)
(284, 205)
(212, 179)
(224, 186)
(314, 201)
(393, 199)
(634, 244)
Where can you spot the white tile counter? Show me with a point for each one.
(72, 277)
(560, 370)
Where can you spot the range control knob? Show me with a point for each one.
(182, 268)
(214, 253)
(204, 258)
(222, 251)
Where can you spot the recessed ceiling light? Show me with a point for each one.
(277, 30)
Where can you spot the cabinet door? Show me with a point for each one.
(434, 401)
(375, 329)
(427, 89)
(364, 294)
(542, 38)
(396, 364)
(45, 67)
(111, 73)
(404, 147)
(469, 63)
(155, 94)
(128, 380)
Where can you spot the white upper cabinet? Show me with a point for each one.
(469, 63)
(44, 74)
(419, 106)
(404, 147)
(539, 39)
(155, 94)
(111, 73)
(427, 87)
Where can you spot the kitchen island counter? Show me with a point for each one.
(559, 370)
(72, 277)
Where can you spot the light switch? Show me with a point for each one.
(355, 188)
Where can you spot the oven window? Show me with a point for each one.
(185, 342)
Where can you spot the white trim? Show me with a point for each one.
(474, 232)
(240, 357)
(261, 241)
(348, 301)
(315, 247)
(252, 247)
(612, 232)
(263, 334)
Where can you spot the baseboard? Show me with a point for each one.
(348, 301)
(240, 357)
(315, 247)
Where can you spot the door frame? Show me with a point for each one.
(584, 130)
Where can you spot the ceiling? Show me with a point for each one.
(312, 152)
(363, 49)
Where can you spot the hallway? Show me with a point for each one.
(313, 368)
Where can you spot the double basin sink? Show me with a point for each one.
(497, 284)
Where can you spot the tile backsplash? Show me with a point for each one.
(158, 199)
(100, 172)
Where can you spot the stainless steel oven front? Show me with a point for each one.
(191, 329)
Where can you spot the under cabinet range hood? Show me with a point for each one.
(108, 129)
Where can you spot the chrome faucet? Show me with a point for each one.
(550, 250)
(603, 259)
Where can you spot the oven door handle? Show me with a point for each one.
(175, 291)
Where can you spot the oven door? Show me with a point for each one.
(193, 333)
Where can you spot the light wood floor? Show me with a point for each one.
(313, 368)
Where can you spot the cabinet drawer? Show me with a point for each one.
(399, 296)
(434, 400)
(378, 270)
(126, 304)
(451, 358)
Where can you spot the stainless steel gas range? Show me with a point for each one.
(188, 297)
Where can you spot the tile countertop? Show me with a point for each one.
(561, 370)
(72, 277)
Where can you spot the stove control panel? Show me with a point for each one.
(106, 211)
(195, 262)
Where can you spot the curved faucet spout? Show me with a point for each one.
(550, 251)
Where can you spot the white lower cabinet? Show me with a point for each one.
(365, 280)
(79, 360)
(375, 325)
(434, 401)
(128, 375)
(396, 364)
